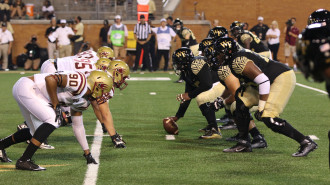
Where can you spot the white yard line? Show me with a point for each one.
(312, 88)
(92, 169)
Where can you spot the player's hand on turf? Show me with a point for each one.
(258, 115)
(89, 158)
(118, 141)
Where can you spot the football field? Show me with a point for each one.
(149, 158)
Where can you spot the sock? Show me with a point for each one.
(18, 137)
(292, 133)
(254, 132)
(209, 114)
(29, 152)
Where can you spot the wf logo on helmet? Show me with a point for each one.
(226, 43)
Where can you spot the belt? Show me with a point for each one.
(55, 64)
(142, 39)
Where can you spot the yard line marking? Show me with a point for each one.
(312, 88)
(92, 169)
(149, 79)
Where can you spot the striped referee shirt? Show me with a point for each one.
(142, 31)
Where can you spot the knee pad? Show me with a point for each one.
(43, 131)
(276, 124)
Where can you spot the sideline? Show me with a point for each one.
(92, 170)
(311, 88)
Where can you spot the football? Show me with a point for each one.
(170, 126)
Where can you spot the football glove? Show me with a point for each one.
(58, 112)
(258, 115)
(118, 141)
(89, 158)
(217, 104)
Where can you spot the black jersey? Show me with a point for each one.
(256, 45)
(199, 77)
(270, 68)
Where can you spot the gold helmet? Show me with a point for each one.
(100, 83)
(105, 52)
(120, 72)
(102, 64)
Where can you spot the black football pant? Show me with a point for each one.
(146, 60)
(161, 53)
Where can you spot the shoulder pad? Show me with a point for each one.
(224, 72)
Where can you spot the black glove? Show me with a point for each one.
(118, 141)
(258, 115)
(89, 158)
(217, 104)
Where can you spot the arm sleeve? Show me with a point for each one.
(79, 131)
(205, 80)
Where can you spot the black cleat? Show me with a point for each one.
(259, 142)
(241, 146)
(308, 145)
(3, 156)
(212, 134)
(228, 126)
(233, 138)
(28, 165)
(103, 128)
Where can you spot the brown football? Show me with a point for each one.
(170, 126)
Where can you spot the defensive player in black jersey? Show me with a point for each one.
(313, 48)
(275, 82)
(248, 40)
(227, 99)
(202, 84)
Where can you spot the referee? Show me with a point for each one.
(142, 34)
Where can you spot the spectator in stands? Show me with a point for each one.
(245, 26)
(18, 8)
(164, 35)
(4, 10)
(104, 33)
(63, 35)
(33, 53)
(47, 10)
(79, 30)
(117, 36)
(152, 46)
(5, 45)
(142, 35)
(291, 35)
(51, 46)
(260, 30)
(152, 9)
(273, 38)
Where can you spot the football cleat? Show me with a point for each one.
(46, 146)
(308, 145)
(233, 138)
(241, 146)
(212, 134)
(229, 125)
(28, 165)
(259, 142)
(3, 157)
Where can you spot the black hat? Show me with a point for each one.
(4, 24)
(142, 17)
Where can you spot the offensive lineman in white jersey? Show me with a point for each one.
(86, 62)
(40, 98)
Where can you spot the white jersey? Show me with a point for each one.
(74, 90)
(82, 62)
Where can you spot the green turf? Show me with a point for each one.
(150, 159)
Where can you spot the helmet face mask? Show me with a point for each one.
(236, 29)
(105, 52)
(120, 72)
(225, 48)
(319, 16)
